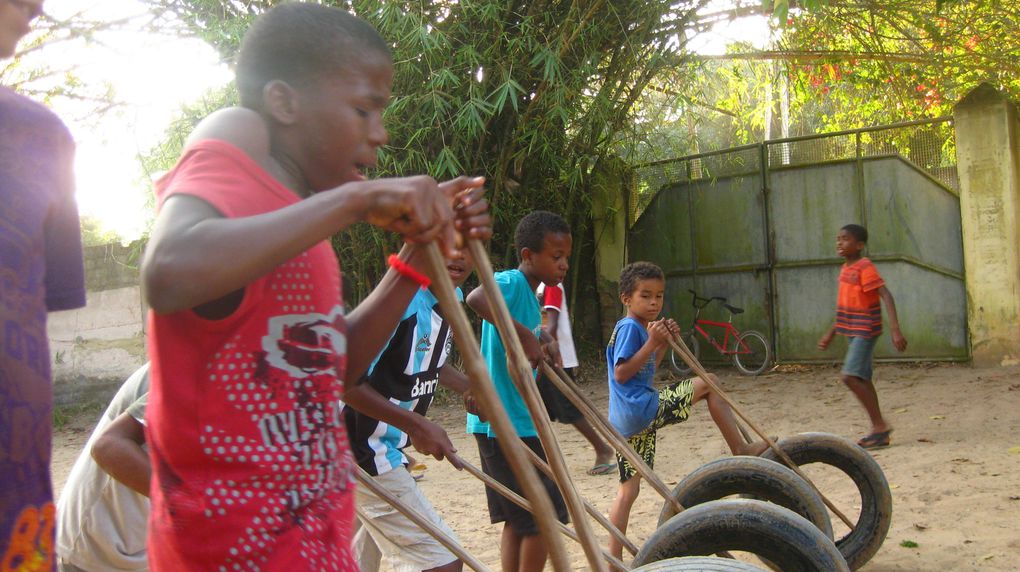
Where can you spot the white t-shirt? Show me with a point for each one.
(101, 523)
(557, 300)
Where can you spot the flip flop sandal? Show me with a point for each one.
(875, 440)
(602, 469)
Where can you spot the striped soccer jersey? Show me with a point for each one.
(406, 373)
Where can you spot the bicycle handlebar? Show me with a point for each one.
(704, 301)
(699, 303)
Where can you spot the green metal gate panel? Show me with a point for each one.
(736, 224)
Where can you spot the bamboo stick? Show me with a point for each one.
(523, 377)
(609, 433)
(520, 501)
(414, 516)
(485, 392)
(681, 348)
(591, 510)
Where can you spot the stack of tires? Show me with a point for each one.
(778, 516)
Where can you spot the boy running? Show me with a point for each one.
(859, 317)
(385, 413)
(543, 243)
(249, 343)
(636, 409)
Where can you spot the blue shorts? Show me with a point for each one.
(859, 355)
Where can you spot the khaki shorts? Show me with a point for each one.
(402, 546)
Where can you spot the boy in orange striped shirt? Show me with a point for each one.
(859, 317)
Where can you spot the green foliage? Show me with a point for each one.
(901, 59)
(530, 94)
(908, 544)
(93, 233)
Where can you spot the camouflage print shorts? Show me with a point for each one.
(674, 407)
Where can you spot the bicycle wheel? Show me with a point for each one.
(752, 354)
(677, 363)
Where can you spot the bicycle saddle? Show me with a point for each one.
(734, 309)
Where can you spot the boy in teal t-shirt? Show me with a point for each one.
(543, 243)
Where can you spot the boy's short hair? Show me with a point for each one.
(635, 271)
(298, 43)
(531, 230)
(857, 231)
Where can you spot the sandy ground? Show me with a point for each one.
(954, 466)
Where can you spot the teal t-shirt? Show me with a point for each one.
(523, 306)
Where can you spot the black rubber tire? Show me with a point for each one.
(761, 357)
(677, 363)
(770, 531)
(871, 528)
(756, 478)
(699, 564)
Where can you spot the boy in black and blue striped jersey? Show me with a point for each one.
(386, 412)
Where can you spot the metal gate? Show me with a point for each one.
(757, 224)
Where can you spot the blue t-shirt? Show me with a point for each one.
(406, 372)
(632, 405)
(523, 306)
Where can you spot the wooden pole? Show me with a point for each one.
(592, 511)
(414, 516)
(681, 348)
(609, 433)
(520, 501)
(485, 392)
(524, 380)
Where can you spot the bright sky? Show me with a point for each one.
(154, 76)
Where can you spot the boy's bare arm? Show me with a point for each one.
(826, 339)
(658, 333)
(899, 342)
(426, 436)
(552, 320)
(453, 379)
(478, 301)
(118, 451)
(371, 323)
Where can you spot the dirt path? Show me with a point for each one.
(954, 466)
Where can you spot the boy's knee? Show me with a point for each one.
(852, 380)
(700, 387)
(630, 488)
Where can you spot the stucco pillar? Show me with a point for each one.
(610, 223)
(988, 159)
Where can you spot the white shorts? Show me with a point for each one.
(401, 544)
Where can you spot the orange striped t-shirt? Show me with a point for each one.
(858, 306)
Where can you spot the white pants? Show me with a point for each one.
(391, 539)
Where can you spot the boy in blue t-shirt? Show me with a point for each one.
(543, 243)
(636, 409)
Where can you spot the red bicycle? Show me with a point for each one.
(749, 349)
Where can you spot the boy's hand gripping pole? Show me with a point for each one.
(485, 393)
(681, 349)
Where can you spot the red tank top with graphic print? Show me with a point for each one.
(251, 464)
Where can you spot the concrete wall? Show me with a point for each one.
(95, 348)
(988, 150)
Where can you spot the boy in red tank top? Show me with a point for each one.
(249, 342)
(859, 317)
